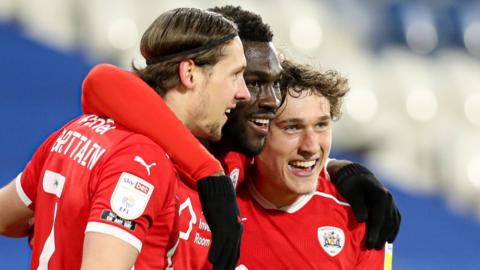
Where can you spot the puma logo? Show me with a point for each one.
(143, 163)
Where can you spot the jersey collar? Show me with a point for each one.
(294, 207)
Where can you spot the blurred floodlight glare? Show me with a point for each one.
(361, 104)
(472, 108)
(471, 38)
(421, 105)
(123, 33)
(7, 9)
(306, 33)
(421, 36)
(473, 171)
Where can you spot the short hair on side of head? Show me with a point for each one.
(250, 25)
(176, 31)
(298, 78)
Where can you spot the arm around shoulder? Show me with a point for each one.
(127, 99)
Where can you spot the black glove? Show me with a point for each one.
(220, 208)
(370, 201)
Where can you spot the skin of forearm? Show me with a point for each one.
(18, 229)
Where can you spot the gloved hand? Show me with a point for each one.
(371, 202)
(220, 208)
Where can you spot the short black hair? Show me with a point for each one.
(250, 25)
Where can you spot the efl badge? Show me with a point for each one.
(130, 196)
(332, 239)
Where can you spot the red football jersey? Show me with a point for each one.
(317, 232)
(101, 96)
(95, 176)
(195, 237)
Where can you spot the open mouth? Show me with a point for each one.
(260, 122)
(302, 168)
(260, 125)
(228, 111)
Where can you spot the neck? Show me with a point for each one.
(221, 148)
(178, 102)
(270, 189)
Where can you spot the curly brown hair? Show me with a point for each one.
(298, 78)
(181, 30)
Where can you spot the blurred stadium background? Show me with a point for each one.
(413, 114)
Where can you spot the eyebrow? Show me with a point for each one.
(240, 69)
(262, 75)
(300, 120)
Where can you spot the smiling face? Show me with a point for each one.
(220, 88)
(248, 123)
(296, 149)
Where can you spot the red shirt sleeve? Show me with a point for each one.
(122, 96)
(135, 187)
(27, 181)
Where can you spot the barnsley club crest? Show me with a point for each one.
(332, 239)
(234, 176)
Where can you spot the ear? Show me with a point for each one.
(185, 73)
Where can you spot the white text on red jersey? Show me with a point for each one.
(79, 148)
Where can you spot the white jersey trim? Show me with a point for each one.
(294, 207)
(330, 196)
(21, 193)
(114, 231)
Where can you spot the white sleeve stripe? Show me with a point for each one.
(330, 196)
(21, 193)
(114, 231)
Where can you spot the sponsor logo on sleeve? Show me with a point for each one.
(142, 188)
(142, 162)
(111, 217)
(332, 239)
(131, 196)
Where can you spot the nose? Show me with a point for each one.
(268, 97)
(242, 93)
(309, 144)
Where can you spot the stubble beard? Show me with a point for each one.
(214, 131)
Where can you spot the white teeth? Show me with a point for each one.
(303, 164)
(228, 110)
(261, 121)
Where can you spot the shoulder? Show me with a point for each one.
(330, 198)
(327, 191)
(236, 165)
